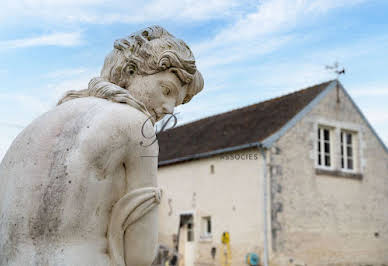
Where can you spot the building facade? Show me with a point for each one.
(298, 180)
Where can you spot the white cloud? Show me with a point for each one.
(267, 26)
(65, 73)
(53, 39)
(370, 89)
(236, 53)
(11, 125)
(7, 135)
(379, 121)
(377, 116)
(24, 108)
(69, 79)
(121, 11)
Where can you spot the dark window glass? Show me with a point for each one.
(319, 146)
(319, 133)
(319, 159)
(350, 164)
(190, 236)
(342, 162)
(326, 134)
(327, 147)
(327, 160)
(349, 138)
(209, 226)
(349, 151)
(190, 233)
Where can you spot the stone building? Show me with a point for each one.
(298, 180)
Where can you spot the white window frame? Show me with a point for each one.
(344, 156)
(205, 227)
(320, 147)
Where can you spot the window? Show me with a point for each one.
(347, 150)
(337, 150)
(324, 147)
(190, 232)
(206, 226)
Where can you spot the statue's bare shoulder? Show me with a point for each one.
(112, 131)
(118, 123)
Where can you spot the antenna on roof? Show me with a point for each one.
(336, 69)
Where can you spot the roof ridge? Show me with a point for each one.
(254, 104)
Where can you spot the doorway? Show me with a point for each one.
(186, 239)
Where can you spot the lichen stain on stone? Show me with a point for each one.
(45, 225)
(10, 248)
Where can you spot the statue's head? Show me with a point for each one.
(156, 68)
(151, 66)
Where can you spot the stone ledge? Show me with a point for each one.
(340, 174)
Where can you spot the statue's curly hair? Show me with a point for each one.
(145, 52)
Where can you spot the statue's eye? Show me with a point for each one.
(166, 91)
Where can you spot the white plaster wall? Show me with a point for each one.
(232, 196)
(326, 220)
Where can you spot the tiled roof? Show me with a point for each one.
(237, 127)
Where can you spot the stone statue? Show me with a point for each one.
(78, 185)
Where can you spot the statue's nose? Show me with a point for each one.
(168, 109)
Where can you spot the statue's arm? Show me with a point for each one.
(133, 227)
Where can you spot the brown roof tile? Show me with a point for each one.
(237, 127)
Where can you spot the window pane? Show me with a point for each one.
(327, 147)
(190, 236)
(349, 138)
(209, 226)
(350, 164)
(327, 160)
(342, 150)
(326, 134)
(349, 150)
(342, 137)
(319, 147)
(342, 163)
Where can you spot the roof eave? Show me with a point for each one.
(210, 153)
(269, 141)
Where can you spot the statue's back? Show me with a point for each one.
(47, 214)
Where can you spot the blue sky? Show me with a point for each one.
(248, 51)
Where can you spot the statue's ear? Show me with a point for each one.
(127, 73)
(130, 69)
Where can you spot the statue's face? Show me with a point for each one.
(159, 92)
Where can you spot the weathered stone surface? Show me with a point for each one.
(75, 187)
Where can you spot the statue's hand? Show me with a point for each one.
(127, 212)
